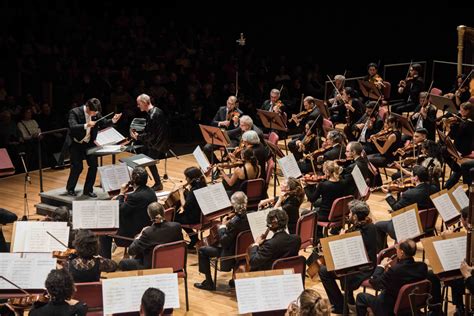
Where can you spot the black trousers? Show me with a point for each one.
(401, 107)
(205, 255)
(381, 305)
(457, 287)
(78, 153)
(153, 169)
(6, 217)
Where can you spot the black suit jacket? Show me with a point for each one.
(404, 272)
(228, 237)
(376, 127)
(132, 212)
(76, 121)
(155, 135)
(79, 309)
(463, 136)
(335, 153)
(363, 165)
(281, 245)
(429, 123)
(152, 236)
(419, 195)
(413, 89)
(221, 115)
(235, 135)
(369, 235)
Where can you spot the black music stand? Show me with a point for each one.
(407, 126)
(443, 103)
(273, 120)
(276, 152)
(214, 136)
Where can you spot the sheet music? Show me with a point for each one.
(212, 198)
(32, 236)
(461, 197)
(108, 136)
(95, 214)
(445, 207)
(451, 252)
(28, 273)
(123, 295)
(201, 159)
(406, 225)
(267, 293)
(109, 149)
(113, 176)
(348, 252)
(258, 223)
(289, 166)
(142, 161)
(359, 181)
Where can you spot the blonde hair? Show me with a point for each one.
(310, 303)
(333, 169)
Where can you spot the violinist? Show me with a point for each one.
(271, 104)
(410, 89)
(359, 218)
(191, 213)
(424, 116)
(350, 110)
(132, 211)
(307, 141)
(353, 154)
(86, 265)
(60, 287)
(391, 136)
(263, 252)
(335, 141)
(335, 98)
(413, 148)
(160, 232)
(290, 200)
(248, 171)
(227, 117)
(311, 112)
(246, 124)
(228, 231)
(251, 140)
(369, 124)
(460, 91)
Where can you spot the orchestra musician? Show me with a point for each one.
(84, 124)
(369, 124)
(310, 113)
(153, 302)
(354, 158)
(86, 265)
(411, 149)
(392, 141)
(424, 116)
(309, 303)
(290, 200)
(335, 97)
(60, 287)
(246, 124)
(248, 171)
(191, 213)
(251, 140)
(270, 105)
(227, 117)
(460, 91)
(359, 217)
(372, 81)
(263, 252)
(159, 232)
(335, 140)
(155, 135)
(228, 231)
(389, 279)
(6, 217)
(307, 142)
(410, 88)
(132, 210)
(350, 110)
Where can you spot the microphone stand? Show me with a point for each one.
(165, 175)
(26, 210)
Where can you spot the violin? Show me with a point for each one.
(317, 152)
(233, 114)
(312, 178)
(229, 164)
(64, 254)
(396, 185)
(408, 149)
(297, 117)
(382, 135)
(306, 140)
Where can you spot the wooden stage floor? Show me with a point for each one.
(221, 302)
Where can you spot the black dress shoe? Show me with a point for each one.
(90, 194)
(157, 187)
(205, 285)
(71, 193)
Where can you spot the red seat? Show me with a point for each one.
(436, 91)
(174, 255)
(403, 304)
(242, 243)
(339, 209)
(255, 191)
(384, 253)
(91, 294)
(273, 138)
(169, 214)
(298, 263)
(270, 166)
(305, 229)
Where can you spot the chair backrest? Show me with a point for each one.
(387, 89)
(428, 219)
(91, 294)
(169, 214)
(270, 166)
(386, 253)
(305, 229)
(339, 208)
(402, 303)
(436, 91)
(173, 254)
(298, 263)
(273, 138)
(253, 188)
(243, 241)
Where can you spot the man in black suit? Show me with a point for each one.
(133, 211)
(391, 280)
(226, 115)
(420, 195)
(155, 135)
(410, 89)
(353, 154)
(269, 105)
(335, 140)
(160, 232)
(264, 252)
(425, 116)
(368, 125)
(228, 231)
(83, 128)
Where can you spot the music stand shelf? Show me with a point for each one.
(132, 161)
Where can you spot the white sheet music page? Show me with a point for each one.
(359, 181)
(110, 149)
(451, 252)
(348, 252)
(212, 198)
(142, 161)
(258, 223)
(406, 225)
(267, 293)
(108, 136)
(32, 237)
(95, 214)
(28, 273)
(113, 176)
(289, 166)
(460, 196)
(201, 159)
(445, 207)
(123, 295)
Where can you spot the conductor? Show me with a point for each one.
(154, 137)
(84, 124)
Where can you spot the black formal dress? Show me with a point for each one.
(61, 309)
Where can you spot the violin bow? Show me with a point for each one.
(236, 84)
(302, 101)
(59, 241)
(334, 86)
(15, 285)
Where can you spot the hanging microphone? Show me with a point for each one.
(22, 153)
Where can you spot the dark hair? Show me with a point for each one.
(60, 285)
(351, 92)
(422, 173)
(372, 65)
(195, 175)
(422, 130)
(357, 147)
(394, 119)
(139, 176)
(61, 214)
(371, 104)
(86, 244)
(295, 189)
(279, 217)
(93, 104)
(433, 149)
(153, 300)
(247, 155)
(408, 247)
(468, 106)
(317, 125)
(416, 67)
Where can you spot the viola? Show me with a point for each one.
(312, 178)
(27, 302)
(64, 254)
(408, 149)
(317, 152)
(297, 117)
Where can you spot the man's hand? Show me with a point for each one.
(134, 135)
(466, 270)
(124, 188)
(116, 117)
(385, 262)
(260, 240)
(385, 188)
(91, 124)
